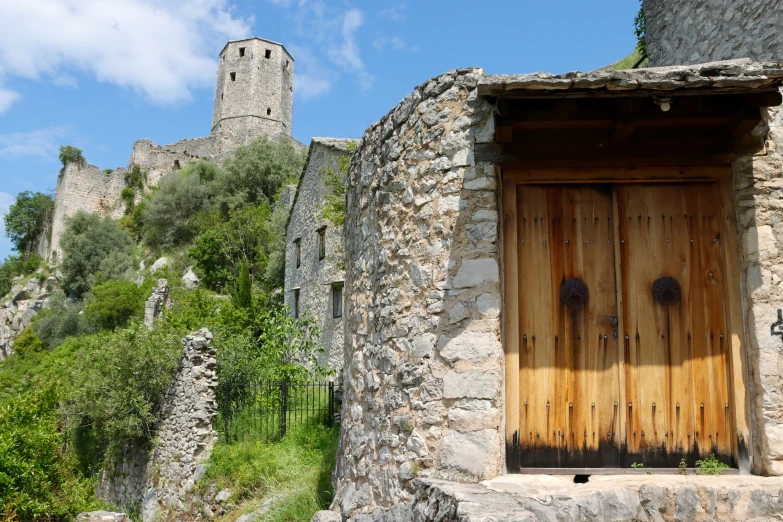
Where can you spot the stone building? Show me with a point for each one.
(695, 31)
(314, 273)
(253, 98)
(557, 273)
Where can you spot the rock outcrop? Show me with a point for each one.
(27, 298)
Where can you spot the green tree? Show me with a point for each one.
(94, 249)
(274, 273)
(169, 214)
(69, 154)
(640, 31)
(333, 207)
(243, 288)
(27, 218)
(16, 265)
(255, 173)
(114, 303)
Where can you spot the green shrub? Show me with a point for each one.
(134, 178)
(273, 276)
(168, 215)
(94, 250)
(256, 172)
(17, 265)
(27, 217)
(108, 171)
(62, 318)
(119, 384)
(710, 466)
(69, 154)
(113, 303)
(243, 288)
(333, 208)
(38, 478)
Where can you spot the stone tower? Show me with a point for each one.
(254, 93)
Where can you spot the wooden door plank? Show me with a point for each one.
(511, 311)
(737, 357)
(617, 432)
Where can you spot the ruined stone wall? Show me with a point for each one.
(253, 94)
(423, 359)
(160, 479)
(314, 277)
(87, 188)
(157, 161)
(681, 32)
(758, 190)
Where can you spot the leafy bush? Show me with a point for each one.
(114, 303)
(108, 171)
(69, 154)
(640, 31)
(256, 172)
(274, 273)
(62, 318)
(15, 266)
(27, 218)
(333, 208)
(710, 466)
(27, 344)
(122, 379)
(242, 295)
(168, 215)
(38, 478)
(94, 249)
(134, 178)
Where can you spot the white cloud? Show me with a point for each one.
(396, 43)
(42, 143)
(159, 49)
(395, 13)
(6, 200)
(7, 98)
(332, 32)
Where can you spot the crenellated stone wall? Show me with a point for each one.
(84, 187)
(682, 32)
(423, 361)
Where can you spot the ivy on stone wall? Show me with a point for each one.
(333, 207)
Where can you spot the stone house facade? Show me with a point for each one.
(432, 353)
(314, 272)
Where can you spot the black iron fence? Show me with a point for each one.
(269, 410)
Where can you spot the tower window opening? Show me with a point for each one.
(267, 53)
(268, 111)
(337, 300)
(177, 165)
(224, 58)
(287, 63)
(241, 52)
(321, 243)
(296, 303)
(233, 76)
(298, 251)
(221, 95)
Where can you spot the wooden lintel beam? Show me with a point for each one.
(622, 130)
(763, 99)
(745, 121)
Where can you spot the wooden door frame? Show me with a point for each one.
(738, 362)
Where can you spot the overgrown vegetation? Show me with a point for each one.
(27, 217)
(294, 473)
(640, 31)
(710, 466)
(70, 154)
(333, 208)
(95, 376)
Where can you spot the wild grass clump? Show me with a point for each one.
(292, 475)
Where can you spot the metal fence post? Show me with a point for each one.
(283, 407)
(330, 420)
(226, 408)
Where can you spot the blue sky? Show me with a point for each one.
(100, 74)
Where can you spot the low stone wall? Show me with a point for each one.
(423, 360)
(158, 479)
(758, 192)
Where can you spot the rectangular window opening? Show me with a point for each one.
(296, 303)
(337, 300)
(233, 76)
(241, 52)
(321, 243)
(298, 251)
(267, 53)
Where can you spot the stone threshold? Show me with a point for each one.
(631, 497)
(617, 471)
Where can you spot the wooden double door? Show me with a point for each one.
(617, 325)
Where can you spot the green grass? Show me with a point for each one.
(294, 472)
(627, 62)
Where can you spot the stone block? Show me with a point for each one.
(469, 346)
(474, 453)
(474, 384)
(474, 272)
